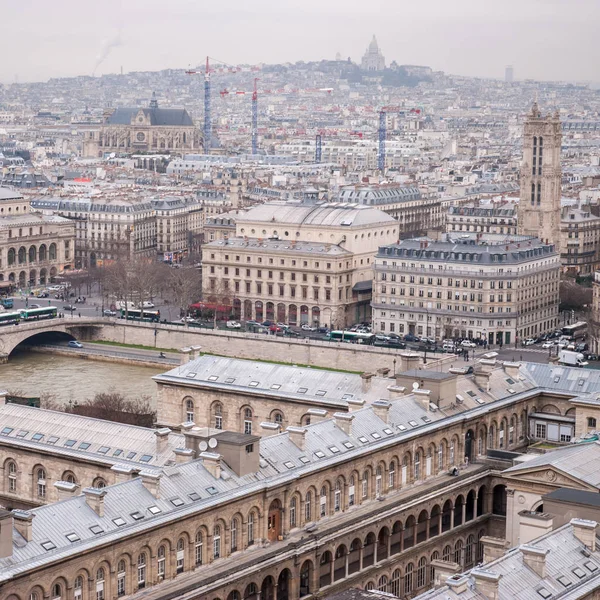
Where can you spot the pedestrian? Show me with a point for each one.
(79, 314)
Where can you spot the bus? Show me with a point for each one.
(35, 314)
(7, 302)
(135, 314)
(351, 336)
(10, 318)
(576, 331)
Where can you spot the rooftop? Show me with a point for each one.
(277, 245)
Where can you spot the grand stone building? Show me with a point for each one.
(539, 204)
(151, 129)
(373, 59)
(370, 498)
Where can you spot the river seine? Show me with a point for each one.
(65, 379)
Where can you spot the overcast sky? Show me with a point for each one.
(543, 39)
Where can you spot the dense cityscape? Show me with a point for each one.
(323, 329)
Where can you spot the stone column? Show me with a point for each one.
(360, 557)
(464, 511)
(440, 523)
(347, 564)
(428, 525)
(475, 511)
(452, 517)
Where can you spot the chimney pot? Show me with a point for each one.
(183, 455)
(297, 435)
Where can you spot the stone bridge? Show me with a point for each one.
(80, 328)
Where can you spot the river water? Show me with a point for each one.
(65, 379)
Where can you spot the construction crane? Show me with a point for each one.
(207, 90)
(383, 133)
(254, 126)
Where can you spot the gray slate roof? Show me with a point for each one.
(159, 117)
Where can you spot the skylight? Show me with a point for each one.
(347, 396)
(402, 427)
(48, 545)
(177, 502)
(275, 386)
(479, 401)
(191, 375)
(137, 515)
(302, 390)
(22, 433)
(96, 529)
(413, 423)
(52, 439)
(320, 393)
(146, 458)
(103, 449)
(334, 449)
(348, 445)
(119, 522)
(194, 496)
(363, 439)
(304, 459)
(154, 510)
(557, 379)
(544, 593)
(117, 452)
(510, 381)
(564, 581)
(590, 566)
(288, 464)
(319, 454)
(578, 573)
(212, 490)
(253, 384)
(388, 431)
(213, 378)
(375, 436)
(84, 445)
(230, 380)
(6, 430)
(581, 382)
(37, 437)
(70, 443)
(131, 455)
(426, 419)
(72, 537)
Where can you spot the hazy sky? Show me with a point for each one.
(543, 39)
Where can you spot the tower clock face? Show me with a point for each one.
(141, 137)
(141, 119)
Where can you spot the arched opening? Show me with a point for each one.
(469, 446)
(434, 521)
(396, 541)
(258, 307)
(53, 273)
(270, 311)
(247, 310)
(43, 253)
(281, 313)
(234, 595)
(422, 527)
(470, 510)
(306, 572)
(469, 551)
(52, 251)
(409, 532)
(283, 585)
(274, 521)
(369, 550)
(22, 255)
(325, 566)
(267, 589)
(458, 511)
(499, 500)
(382, 543)
(32, 254)
(481, 500)
(354, 556)
(316, 316)
(339, 568)
(22, 279)
(237, 308)
(293, 314)
(12, 256)
(251, 592)
(303, 315)
(43, 277)
(447, 516)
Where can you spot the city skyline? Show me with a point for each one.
(143, 37)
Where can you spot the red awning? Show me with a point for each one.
(211, 306)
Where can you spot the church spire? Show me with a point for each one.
(154, 101)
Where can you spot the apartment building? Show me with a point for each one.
(483, 218)
(469, 285)
(580, 240)
(309, 262)
(179, 226)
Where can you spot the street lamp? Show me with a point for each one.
(394, 368)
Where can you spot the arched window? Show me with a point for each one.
(383, 583)
(248, 421)
(218, 410)
(337, 496)
(469, 550)
(189, 411)
(180, 555)
(100, 584)
(417, 465)
(323, 502)
(441, 457)
(56, 592)
(69, 477)
(370, 586)
(351, 491)
(307, 507)
(278, 418)
(234, 534)
(452, 453)
(378, 480)
(251, 523)
(12, 476)
(392, 475)
(446, 553)
(217, 542)
(458, 552)
(591, 422)
(33, 595)
(422, 572)
(141, 570)
(199, 545)
(408, 579)
(78, 588)
(293, 508)
(99, 483)
(365, 485)
(41, 483)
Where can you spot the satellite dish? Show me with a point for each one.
(212, 443)
(203, 446)
(415, 386)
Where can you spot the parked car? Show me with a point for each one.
(233, 325)
(69, 307)
(409, 337)
(468, 344)
(380, 337)
(75, 344)
(282, 325)
(547, 345)
(187, 319)
(591, 357)
(267, 323)
(307, 327)
(528, 342)
(275, 328)
(146, 304)
(252, 323)
(291, 333)
(323, 329)
(34, 306)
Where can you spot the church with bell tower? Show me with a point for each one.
(539, 210)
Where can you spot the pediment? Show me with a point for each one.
(551, 476)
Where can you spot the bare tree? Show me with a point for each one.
(184, 287)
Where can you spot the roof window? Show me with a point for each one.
(36, 437)
(590, 566)
(191, 375)
(275, 386)
(213, 378)
(212, 490)
(131, 455)
(578, 573)
(146, 458)
(334, 449)
(84, 445)
(348, 445)
(304, 460)
(564, 581)
(320, 393)
(253, 384)
(137, 515)
(52, 439)
(426, 419)
(288, 464)
(319, 454)
(194, 496)
(154, 510)
(413, 423)
(119, 521)
(70, 443)
(22, 433)
(544, 593)
(6, 430)
(177, 502)
(117, 452)
(302, 390)
(48, 545)
(230, 380)
(375, 436)
(103, 449)
(402, 427)
(96, 529)
(363, 439)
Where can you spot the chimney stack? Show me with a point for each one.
(151, 481)
(183, 455)
(297, 435)
(512, 369)
(424, 397)
(493, 548)
(124, 472)
(487, 583)
(381, 408)
(23, 523)
(162, 439)
(482, 380)
(6, 533)
(195, 352)
(366, 381)
(534, 558)
(442, 571)
(395, 391)
(458, 583)
(94, 498)
(212, 463)
(317, 415)
(355, 404)
(585, 532)
(3, 394)
(185, 355)
(344, 421)
(66, 489)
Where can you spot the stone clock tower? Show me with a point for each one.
(539, 204)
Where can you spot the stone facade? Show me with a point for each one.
(487, 218)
